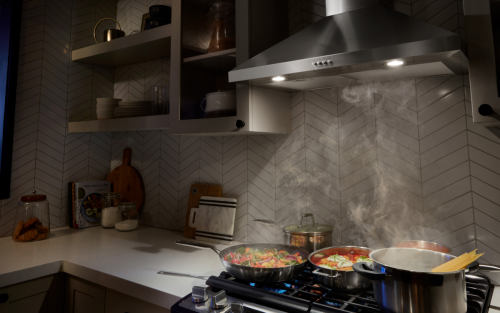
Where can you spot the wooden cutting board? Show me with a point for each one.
(195, 193)
(127, 181)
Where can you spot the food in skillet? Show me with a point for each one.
(342, 262)
(267, 258)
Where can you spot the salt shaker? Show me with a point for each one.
(127, 218)
(111, 201)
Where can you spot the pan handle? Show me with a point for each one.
(318, 272)
(488, 268)
(366, 271)
(197, 244)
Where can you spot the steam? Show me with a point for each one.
(392, 209)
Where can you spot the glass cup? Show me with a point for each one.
(160, 100)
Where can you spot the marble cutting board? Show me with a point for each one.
(214, 219)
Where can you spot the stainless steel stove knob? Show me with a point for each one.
(237, 308)
(219, 300)
(199, 294)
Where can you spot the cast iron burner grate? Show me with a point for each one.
(304, 295)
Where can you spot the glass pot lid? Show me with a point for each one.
(313, 229)
(33, 197)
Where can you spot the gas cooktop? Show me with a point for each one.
(302, 295)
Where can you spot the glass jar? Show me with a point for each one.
(32, 220)
(127, 217)
(110, 203)
(223, 36)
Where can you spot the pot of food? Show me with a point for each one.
(403, 281)
(333, 267)
(311, 237)
(421, 244)
(259, 262)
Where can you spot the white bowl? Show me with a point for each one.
(106, 106)
(104, 114)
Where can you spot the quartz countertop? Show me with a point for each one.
(127, 262)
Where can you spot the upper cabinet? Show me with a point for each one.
(197, 70)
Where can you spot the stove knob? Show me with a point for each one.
(199, 294)
(219, 300)
(237, 308)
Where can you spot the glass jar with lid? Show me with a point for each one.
(110, 203)
(32, 220)
(127, 217)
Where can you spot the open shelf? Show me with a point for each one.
(145, 46)
(220, 61)
(155, 122)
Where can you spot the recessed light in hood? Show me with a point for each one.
(395, 63)
(278, 78)
(364, 38)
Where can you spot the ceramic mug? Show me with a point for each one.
(219, 101)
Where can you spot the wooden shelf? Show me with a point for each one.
(145, 46)
(155, 122)
(220, 61)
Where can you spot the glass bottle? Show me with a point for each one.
(127, 217)
(223, 35)
(32, 220)
(110, 203)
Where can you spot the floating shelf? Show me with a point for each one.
(220, 61)
(155, 122)
(145, 46)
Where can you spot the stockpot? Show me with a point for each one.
(339, 280)
(403, 281)
(311, 237)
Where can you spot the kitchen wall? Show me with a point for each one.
(51, 91)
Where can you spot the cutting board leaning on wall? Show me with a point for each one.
(195, 193)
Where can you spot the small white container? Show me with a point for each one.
(104, 114)
(222, 101)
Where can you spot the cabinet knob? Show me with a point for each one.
(485, 109)
(240, 124)
(4, 298)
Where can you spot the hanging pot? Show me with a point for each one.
(109, 34)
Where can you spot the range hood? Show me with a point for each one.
(356, 41)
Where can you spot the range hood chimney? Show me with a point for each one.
(357, 40)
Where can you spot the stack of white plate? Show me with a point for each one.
(132, 109)
(105, 107)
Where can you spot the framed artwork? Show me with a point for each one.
(144, 18)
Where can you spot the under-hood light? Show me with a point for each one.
(395, 63)
(278, 78)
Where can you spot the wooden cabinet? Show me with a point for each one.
(83, 296)
(117, 302)
(43, 295)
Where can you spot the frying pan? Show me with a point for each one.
(255, 274)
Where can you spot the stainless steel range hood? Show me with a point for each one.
(356, 41)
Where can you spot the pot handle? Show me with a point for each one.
(106, 18)
(364, 270)
(476, 267)
(318, 272)
(197, 245)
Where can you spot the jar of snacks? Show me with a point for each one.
(32, 220)
(127, 218)
(110, 203)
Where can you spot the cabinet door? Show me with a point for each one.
(83, 296)
(117, 302)
(26, 297)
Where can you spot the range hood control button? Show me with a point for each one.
(315, 63)
(199, 294)
(219, 300)
(330, 62)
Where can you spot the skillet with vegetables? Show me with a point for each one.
(267, 258)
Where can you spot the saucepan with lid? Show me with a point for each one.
(310, 237)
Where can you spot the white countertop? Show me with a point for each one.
(127, 262)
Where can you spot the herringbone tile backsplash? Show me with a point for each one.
(379, 162)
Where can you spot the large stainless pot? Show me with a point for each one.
(253, 274)
(339, 280)
(403, 281)
(311, 237)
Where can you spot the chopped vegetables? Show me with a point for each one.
(342, 262)
(267, 258)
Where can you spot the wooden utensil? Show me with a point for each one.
(127, 181)
(196, 192)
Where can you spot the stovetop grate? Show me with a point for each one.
(304, 295)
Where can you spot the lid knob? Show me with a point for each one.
(305, 216)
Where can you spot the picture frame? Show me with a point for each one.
(144, 18)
